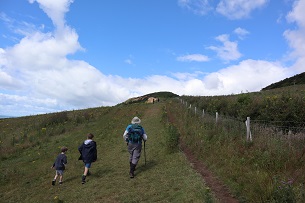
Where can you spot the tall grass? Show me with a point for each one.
(253, 171)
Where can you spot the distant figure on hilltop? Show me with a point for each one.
(60, 165)
(133, 135)
(88, 153)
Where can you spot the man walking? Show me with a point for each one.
(133, 135)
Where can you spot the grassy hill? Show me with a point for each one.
(269, 169)
(298, 79)
(144, 98)
(29, 146)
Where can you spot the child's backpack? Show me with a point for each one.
(135, 133)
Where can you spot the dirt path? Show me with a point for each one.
(220, 191)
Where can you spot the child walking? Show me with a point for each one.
(88, 154)
(59, 165)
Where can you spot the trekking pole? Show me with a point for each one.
(144, 153)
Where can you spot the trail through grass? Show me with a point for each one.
(167, 177)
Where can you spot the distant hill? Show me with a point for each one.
(2, 116)
(298, 79)
(144, 98)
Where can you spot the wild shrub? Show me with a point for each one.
(172, 139)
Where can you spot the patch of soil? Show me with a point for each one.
(220, 191)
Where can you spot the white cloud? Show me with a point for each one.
(248, 75)
(193, 57)
(295, 38)
(229, 50)
(237, 9)
(199, 7)
(55, 9)
(37, 77)
(241, 33)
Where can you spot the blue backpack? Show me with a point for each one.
(135, 133)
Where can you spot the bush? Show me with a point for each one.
(172, 139)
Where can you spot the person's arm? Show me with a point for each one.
(53, 165)
(80, 148)
(65, 160)
(125, 135)
(144, 135)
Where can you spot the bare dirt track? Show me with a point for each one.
(220, 191)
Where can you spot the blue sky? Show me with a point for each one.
(60, 55)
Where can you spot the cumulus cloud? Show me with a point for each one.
(228, 51)
(55, 9)
(193, 57)
(37, 77)
(295, 37)
(238, 9)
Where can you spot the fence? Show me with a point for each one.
(253, 129)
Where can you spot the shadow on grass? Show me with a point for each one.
(101, 172)
(95, 173)
(149, 165)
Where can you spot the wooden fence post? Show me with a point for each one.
(216, 116)
(202, 113)
(195, 110)
(249, 135)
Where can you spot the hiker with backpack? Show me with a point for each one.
(133, 135)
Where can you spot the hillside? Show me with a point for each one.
(298, 79)
(29, 146)
(158, 95)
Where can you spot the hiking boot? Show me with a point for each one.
(60, 182)
(83, 179)
(132, 169)
(53, 182)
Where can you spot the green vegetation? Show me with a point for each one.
(298, 79)
(29, 146)
(284, 104)
(269, 169)
(159, 95)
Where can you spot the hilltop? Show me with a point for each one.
(298, 79)
(156, 95)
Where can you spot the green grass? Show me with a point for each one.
(269, 169)
(25, 173)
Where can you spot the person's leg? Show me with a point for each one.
(87, 166)
(55, 177)
(86, 171)
(136, 153)
(60, 179)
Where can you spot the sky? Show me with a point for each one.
(58, 55)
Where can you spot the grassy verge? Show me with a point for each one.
(167, 177)
(266, 170)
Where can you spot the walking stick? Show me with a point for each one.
(144, 153)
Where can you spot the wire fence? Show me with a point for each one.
(252, 130)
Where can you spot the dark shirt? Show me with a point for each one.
(88, 151)
(60, 162)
